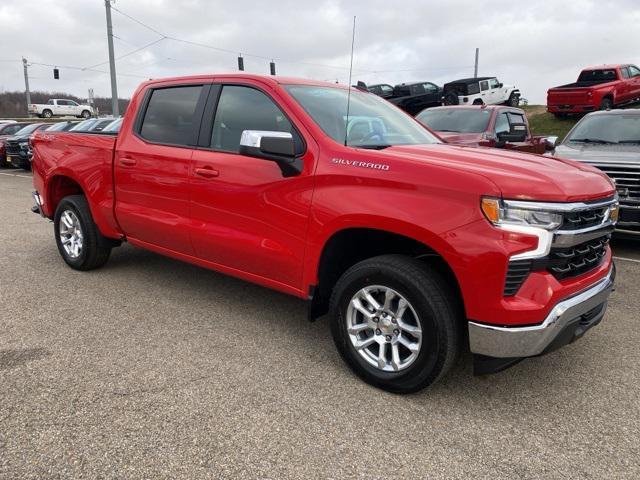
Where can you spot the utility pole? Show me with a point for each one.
(115, 109)
(26, 82)
(475, 70)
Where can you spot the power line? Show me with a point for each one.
(128, 53)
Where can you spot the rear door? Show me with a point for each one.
(247, 216)
(151, 166)
(634, 81)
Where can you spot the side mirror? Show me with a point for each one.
(517, 133)
(550, 143)
(274, 146)
(500, 85)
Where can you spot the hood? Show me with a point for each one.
(593, 153)
(518, 175)
(460, 138)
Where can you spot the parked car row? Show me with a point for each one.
(15, 145)
(415, 97)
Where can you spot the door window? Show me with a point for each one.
(169, 118)
(244, 108)
(634, 71)
(502, 124)
(484, 85)
(625, 72)
(386, 89)
(493, 83)
(430, 87)
(417, 89)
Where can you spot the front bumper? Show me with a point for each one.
(566, 321)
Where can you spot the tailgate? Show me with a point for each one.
(569, 96)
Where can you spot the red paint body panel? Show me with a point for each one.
(249, 221)
(581, 99)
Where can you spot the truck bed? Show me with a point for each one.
(88, 159)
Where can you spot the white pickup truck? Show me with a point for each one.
(59, 107)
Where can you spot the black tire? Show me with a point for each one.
(93, 253)
(437, 310)
(85, 114)
(47, 113)
(514, 100)
(478, 101)
(451, 98)
(606, 104)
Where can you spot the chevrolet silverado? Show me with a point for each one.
(416, 249)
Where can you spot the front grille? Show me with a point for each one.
(627, 179)
(517, 273)
(13, 148)
(574, 261)
(583, 218)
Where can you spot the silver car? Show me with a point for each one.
(610, 140)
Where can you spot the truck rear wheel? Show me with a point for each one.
(78, 239)
(395, 323)
(606, 104)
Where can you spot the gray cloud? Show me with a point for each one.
(535, 45)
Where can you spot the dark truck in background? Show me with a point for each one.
(597, 88)
(410, 97)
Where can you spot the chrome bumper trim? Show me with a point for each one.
(516, 342)
(38, 200)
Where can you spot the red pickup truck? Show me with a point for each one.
(485, 126)
(598, 88)
(414, 247)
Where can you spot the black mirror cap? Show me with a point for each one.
(280, 150)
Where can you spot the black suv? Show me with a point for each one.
(410, 97)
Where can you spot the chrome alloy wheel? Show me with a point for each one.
(384, 328)
(71, 234)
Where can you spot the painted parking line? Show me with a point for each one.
(15, 175)
(626, 259)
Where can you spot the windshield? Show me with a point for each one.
(459, 120)
(114, 126)
(373, 122)
(614, 128)
(28, 129)
(57, 127)
(83, 125)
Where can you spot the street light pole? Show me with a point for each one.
(115, 109)
(475, 70)
(26, 82)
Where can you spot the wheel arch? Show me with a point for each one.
(344, 247)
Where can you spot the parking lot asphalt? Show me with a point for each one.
(152, 368)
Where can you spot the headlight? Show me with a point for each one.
(500, 213)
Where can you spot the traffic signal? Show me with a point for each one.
(56, 74)
(272, 67)
(241, 64)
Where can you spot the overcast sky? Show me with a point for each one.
(533, 44)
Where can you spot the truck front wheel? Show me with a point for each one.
(85, 114)
(395, 323)
(78, 239)
(47, 113)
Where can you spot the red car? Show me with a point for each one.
(484, 126)
(410, 244)
(598, 88)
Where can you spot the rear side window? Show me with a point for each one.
(169, 115)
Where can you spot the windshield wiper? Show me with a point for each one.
(372, 147)
(592, 140)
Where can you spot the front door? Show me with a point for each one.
(246, 215)
(152, 167)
